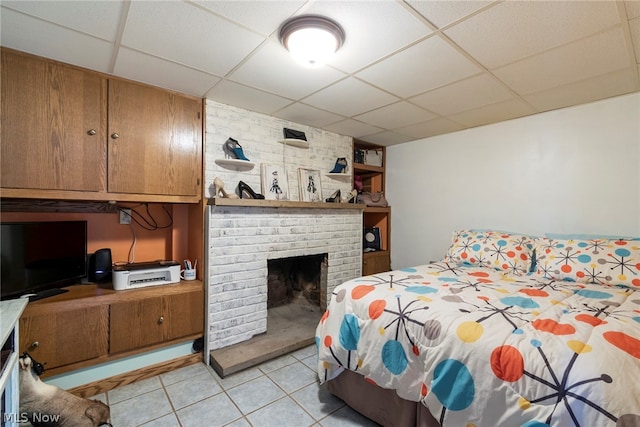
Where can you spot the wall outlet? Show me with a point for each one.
(125, 216)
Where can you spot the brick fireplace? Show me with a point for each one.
(241, 241)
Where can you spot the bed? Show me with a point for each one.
(506, 330)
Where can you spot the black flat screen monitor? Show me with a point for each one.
(39, 256)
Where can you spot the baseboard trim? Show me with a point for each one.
(98, 387)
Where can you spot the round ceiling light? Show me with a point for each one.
(312, 40)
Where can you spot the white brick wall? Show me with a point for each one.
(259, 135)
(242, 239)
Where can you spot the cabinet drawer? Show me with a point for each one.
(60, 338)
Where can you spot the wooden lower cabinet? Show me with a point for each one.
(90, 325)
(375, 262)
(59, 338)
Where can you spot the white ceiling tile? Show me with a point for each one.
(421, 67)
(396, 115)
(301, 113)
(463, 95)
(430, 128)
(350, 97)
(589, 57)
(599, 87)
(514, 30)
(273, 70)
(493, 113)
(184, 33)
(387, 138)
(158, 72)
(97, 18)
(231, 93)
(353, 128)
(442, 13)
(264, 17)
(373, 29)
(53, 41)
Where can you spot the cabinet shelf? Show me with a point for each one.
(361, 167)
(235, 164)
(300, 143)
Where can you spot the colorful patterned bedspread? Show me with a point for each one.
(483, 348)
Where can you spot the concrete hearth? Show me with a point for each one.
(289, 327)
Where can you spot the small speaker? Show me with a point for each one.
(100, 266)
(371, 239)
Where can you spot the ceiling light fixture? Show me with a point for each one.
(312, 40)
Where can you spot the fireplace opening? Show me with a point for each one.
(297, 280)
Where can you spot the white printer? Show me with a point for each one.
(143, 274)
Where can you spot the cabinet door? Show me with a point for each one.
(155, 141)
(53, 125)
(135, 324)
(184, 314)
(375, 262)
(60, 338)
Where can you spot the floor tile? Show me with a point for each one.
(283, 412)
(192, 390)
(140, 409)
(236, 379)
(277, 363)
(293, 377)
(317, 400)
(131, 390)
(184, 373)
(255, 394)
(347, 417)
(305, 352)
(167, 421)
(215, 411)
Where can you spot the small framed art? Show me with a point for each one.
(274, 182)
(310, 186)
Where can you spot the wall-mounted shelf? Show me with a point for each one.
(338, 175)
(300, 143)
(235, 164)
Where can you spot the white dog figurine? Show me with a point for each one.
(47, 405)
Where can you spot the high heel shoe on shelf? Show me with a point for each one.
(340, 166)
(352, 197)
(233, 149)
(244, 188)
(218, 185)
(335, 197)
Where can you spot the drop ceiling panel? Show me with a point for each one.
(272, 70)
(498, 112)
(230, 93)
(185, 34)
(463, 95)
(263, 17)
(430, 128)
(513, 30)
(442, 13)
(99, 19)
(301, 113)
(350, 97)
(396, 115)
(158, 72)
(421, 67)
(52, 41)
(371, 28)
(352, 127)
(589, 57)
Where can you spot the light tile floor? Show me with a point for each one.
(283, 392)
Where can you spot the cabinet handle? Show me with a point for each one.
(91, 132)
(161, 320)
(115, 135)
(34, 345)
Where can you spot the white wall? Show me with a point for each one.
(575, 170)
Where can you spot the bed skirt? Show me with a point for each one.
(381, 405)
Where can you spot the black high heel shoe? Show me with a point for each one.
(340, 166)
(335, 197)
(242, 188)
(233, 149)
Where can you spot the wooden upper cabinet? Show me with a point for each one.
(154, 141)
(53, 125)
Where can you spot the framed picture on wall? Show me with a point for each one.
(310, 186)
(274, 182)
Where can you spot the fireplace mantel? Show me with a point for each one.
(219, 201)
